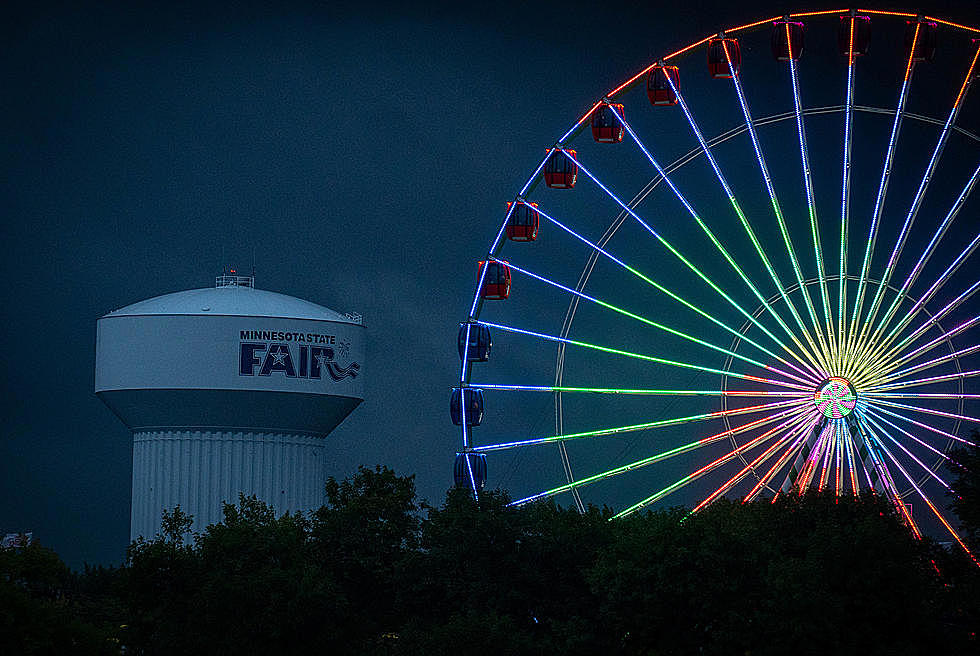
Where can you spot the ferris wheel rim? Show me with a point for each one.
(848, 109)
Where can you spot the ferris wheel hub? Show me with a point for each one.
(835, 397)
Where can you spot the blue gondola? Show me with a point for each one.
(461, 473)
(480, 342)
(474, 406)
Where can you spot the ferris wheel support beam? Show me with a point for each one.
(917, 200)
(821, 351)
(816, 453)
(731, 455)
(850, 446)
(679, 299)
(795, 448)
(801, 459)
(813, 356)
(655, 324)
(810, 362)
(793, 436)
(650, 460)
(883, 184)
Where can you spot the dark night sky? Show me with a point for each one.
(364, 154)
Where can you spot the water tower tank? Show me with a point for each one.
(227, 389)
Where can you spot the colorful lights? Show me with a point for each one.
(838, 395)
(835, 398)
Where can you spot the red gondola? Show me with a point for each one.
(925, 42)
(523, 223)
(561, 171)
(659, 90)
(496, 283)
(787, 40)
(720, 52)
(606, 128)
(862, 35)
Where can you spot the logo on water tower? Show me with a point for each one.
(278, 354)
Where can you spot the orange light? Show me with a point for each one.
(693, 45)
(956, 25)
(966, 81)
(751, 25)
(888, 13)
(819, 13)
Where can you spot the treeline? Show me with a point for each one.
(376, 572)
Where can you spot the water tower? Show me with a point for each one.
(227, 389)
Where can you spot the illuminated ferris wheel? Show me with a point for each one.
(783, 306)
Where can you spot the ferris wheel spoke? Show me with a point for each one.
(928, 411)
(816, 354)
(879, 409)
(845, 203)
(810, 361)
(928, 501)
(810, 200)
(635, 272)
(933, 343)
(793, 406)
(655, 324)
(822, 351)
(690, 478)
(924, 326)
(871, 416)
(883, 186)
(642, 392)
(640, 356)
(926, 255)
(935, 362)
(820, 355)
(793, 436)
(932, 380)
(650, 460)
(919, 195)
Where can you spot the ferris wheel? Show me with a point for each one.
(750, 278)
